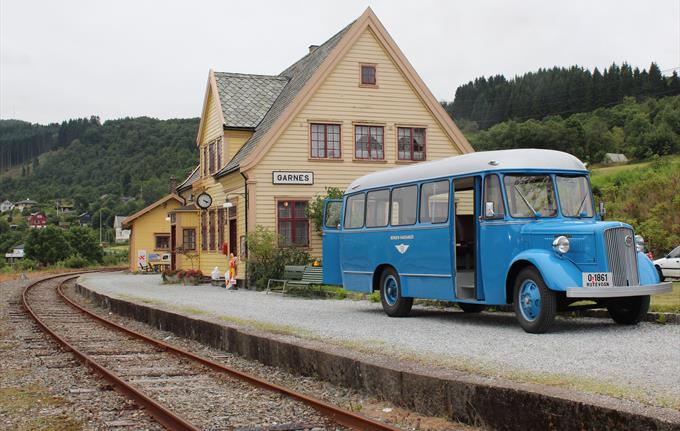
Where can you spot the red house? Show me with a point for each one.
(37, 220)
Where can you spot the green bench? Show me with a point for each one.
(297, 275)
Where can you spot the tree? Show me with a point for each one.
(47, 245)
(315, 207)
(84, 242)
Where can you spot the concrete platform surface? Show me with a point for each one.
(639, 362)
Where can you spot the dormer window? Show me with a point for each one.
(368, 75)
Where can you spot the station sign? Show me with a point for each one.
(293, 177)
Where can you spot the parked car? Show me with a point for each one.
(669, 265)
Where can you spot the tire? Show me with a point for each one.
(628, 311)
(535, 305)
(393, 303)
(471, 308)
(658, 271)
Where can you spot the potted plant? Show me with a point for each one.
(190, 276)
(170, 276)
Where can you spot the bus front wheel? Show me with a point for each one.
(393, 303)
(535, 304)
(628, 311)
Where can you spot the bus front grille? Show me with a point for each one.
(620, 244)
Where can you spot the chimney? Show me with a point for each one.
(312, 48)
(173, 185)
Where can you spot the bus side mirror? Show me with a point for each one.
(488, 210)
(602, 210)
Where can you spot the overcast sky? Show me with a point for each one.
(65, 59)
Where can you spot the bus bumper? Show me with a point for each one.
(619, 291)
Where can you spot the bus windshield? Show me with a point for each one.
(530, 195)
(575, 197)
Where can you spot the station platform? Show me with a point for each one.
(491, 346)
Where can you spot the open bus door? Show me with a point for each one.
(332, 273)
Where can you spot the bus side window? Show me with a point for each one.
(354, 212)
(434, 202)
(404, 205)
(377, 208)
(493, 198)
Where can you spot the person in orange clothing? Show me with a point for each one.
(230, 276)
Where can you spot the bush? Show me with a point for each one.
(114, 259)
(47, 245)
(315, 208)
(266, 260)
(83, 241)
(75, 261)
(27, 264)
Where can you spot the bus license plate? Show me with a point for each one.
(598, 279)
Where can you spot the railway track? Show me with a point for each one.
(179, 389)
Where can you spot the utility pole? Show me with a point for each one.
(100, 226)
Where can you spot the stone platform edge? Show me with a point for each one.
(466, 398)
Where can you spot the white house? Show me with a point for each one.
(122, 235)
(16, 254)
(6, 206)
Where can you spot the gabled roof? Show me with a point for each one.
(193, 176)
(307, 74)
(297, 76)
(245, 98)
(151, 207)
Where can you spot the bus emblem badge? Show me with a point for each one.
(401, 248)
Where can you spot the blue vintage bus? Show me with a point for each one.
(489, 228)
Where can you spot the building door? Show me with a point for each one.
(173, 243)
(233, 226)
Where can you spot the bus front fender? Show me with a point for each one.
(557, 272)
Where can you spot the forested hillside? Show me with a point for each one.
(21, 142)
(637, 129)
(484, 102)
(131, 157)
(646, 196)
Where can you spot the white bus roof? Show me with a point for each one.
(548, 160)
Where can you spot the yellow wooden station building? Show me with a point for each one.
(269, 144)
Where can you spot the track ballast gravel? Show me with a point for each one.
(644, 358)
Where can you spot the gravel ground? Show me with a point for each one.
(347, 398)
(638, 362)
(43, 387)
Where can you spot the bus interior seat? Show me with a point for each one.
(465, 241)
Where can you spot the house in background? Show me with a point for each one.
(150, 237)
(16, 254)
(6, 206)
(64, 206)
(269, 144)
(610, 158)
(37, 220)
(85, 219)
(122, 235)
(26, 203)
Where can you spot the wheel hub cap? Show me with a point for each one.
(530, 300)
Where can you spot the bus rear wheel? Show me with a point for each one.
(535, 305)
(393, 303)
(628, 311)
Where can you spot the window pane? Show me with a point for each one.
(368, 75)
(333, 215)
(333, 144)
(354, 213)
(299, 210)
(284, 209)
(493, 198)
(528, 193)
(377, 208)
(404, 201)
(162, 242)
(361, 144)
(285, 233)
(377, 143)
(575, 198)
(301, 233)
(418, 144)
(434, 202)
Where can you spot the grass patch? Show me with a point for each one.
(668, 302)
(25, 404)
(322, 291)
(270, 327)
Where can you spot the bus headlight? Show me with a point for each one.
(561, 244)
(639, 243)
